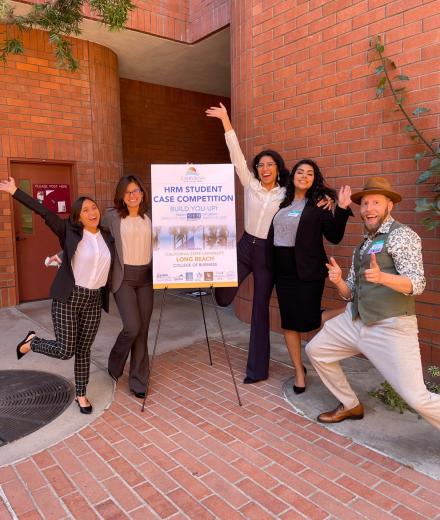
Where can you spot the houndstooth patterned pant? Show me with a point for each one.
(75, 324)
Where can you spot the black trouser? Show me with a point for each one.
(75, 324)
(251, 258)
(135, 303)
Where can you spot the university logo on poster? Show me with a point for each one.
(194, 237)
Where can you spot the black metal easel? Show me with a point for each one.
(162, 306)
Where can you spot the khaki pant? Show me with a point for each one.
(392, 347)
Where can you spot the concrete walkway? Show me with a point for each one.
(194, 453)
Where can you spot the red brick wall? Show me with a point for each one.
(302, 84)
(207, 16)
(167, 125)
(182, 20)
(185, 21)
(55, 115)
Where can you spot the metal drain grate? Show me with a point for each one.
(29, 400)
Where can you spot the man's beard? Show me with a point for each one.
(373, 230)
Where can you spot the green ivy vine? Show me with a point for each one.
(395, 83)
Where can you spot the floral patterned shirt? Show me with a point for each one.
(405, 248)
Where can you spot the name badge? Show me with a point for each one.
(294, 213)
(376, 247)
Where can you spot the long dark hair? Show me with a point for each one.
(283, 172)
(121, 188)
(317, 190)
(75, 212)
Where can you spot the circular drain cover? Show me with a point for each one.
(29, 400)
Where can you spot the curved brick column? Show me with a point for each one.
(55, 115)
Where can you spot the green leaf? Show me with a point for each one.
(379, 92)
(420, 155)
(409, 128)
(379, 69)
(114, 13)
(13, 46)
(401, 77)
(435, 165)
(430, 224)
(422, 205)
(427, 174)
(421, 110)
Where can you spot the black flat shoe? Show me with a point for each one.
(115, 379)
(249, 381)
(139, 395)
(84, 409)
(26, 339)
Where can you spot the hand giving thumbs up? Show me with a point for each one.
(374, 274)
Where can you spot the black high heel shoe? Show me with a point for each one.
(139, 395)
(84, 409)
(26, 340)
(300, 389)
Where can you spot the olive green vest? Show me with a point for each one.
(374, 302)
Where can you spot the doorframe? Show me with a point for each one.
(74, 185)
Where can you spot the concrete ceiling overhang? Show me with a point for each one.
(202, 67)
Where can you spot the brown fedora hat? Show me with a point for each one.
(376, 185)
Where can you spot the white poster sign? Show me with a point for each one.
(194, 237)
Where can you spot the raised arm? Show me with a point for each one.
(52, 220)
(221, 113)
(237, 157)
(334, 226)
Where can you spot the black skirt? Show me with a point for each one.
(299, 301)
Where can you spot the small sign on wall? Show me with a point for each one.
(55, 197)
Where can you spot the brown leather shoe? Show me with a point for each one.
(340, 414)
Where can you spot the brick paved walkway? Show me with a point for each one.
(195, 454)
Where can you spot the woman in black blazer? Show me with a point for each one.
(80, 287)
(297, 254)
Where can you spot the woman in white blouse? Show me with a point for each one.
(263, 192)
(131, 281)
(79, 289)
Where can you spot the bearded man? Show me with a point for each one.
(379, 320)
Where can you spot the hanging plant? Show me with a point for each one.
(395, 83)
(60, 18)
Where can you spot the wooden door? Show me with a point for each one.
(51, 185)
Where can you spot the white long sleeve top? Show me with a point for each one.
(260, 205)
(91, 261)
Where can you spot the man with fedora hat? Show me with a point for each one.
(379, 320)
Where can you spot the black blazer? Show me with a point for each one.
(69, 236)
(310, 254)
